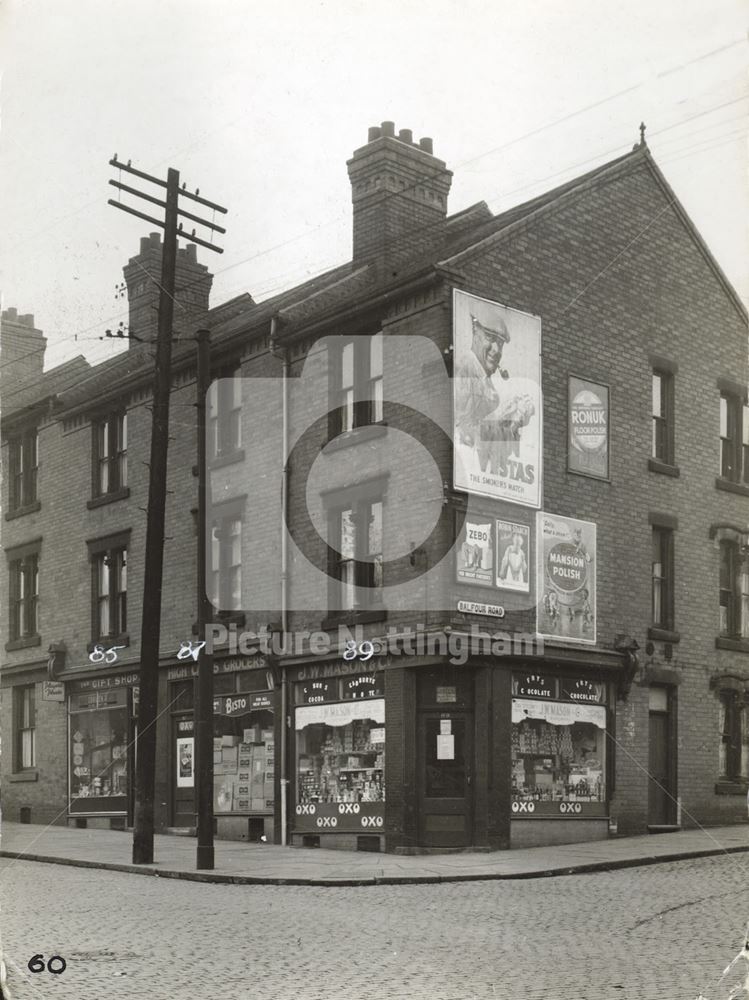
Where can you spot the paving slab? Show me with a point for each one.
(268, 864)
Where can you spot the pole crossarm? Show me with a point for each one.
(114, 162)
(133, 211)
(203, 222)
(139, 194)
(203, 201)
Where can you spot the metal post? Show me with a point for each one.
(204, 701)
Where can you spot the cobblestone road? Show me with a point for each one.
(662, 932)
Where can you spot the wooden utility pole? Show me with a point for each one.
(204, 701)
(153, 566)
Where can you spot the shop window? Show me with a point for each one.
(734, 438)
(559, 756)
(99, 738)
(356, 392)
(356, 554)
(663, 416)
(23, 462)
(110, 454)
(224, 416)
(24, 597)
(25, 727)
(662, 578)
(243, 753)
(340, 753)
(226, 564)
(734, 589)
(733, 729)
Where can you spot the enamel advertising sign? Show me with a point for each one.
(497, 400)
(588, 428)
(566, 578)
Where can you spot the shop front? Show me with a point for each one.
(561, 766)
(338, 787)
(101, 735)
(244, 741)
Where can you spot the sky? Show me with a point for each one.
(260, 106)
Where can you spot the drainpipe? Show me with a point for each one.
(284, 357)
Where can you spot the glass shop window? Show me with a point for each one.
(243, 753)
(341, 763)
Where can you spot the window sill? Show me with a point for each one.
(27, 508)
(30, 775)
(106, 498)
(664, 468)
(228, 458)
(359, 435)
(107, 641)
(730, 487)
(663, 634)
(360, 617)
(25, 643)
(726, 786)
(737, 645)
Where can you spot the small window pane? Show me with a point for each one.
(375, 356)
(347, 545)
(723, 417)
(375, 529)
(657, 395)
(347, 366)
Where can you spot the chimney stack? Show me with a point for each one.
(143, 277)
(22, 349)
(399, 191)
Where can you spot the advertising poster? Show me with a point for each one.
(566, 578)
(588, 428)
(513, 556)
(497, 400)
(475, 556)
(185, 773)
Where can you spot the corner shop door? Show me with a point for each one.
(445, 763)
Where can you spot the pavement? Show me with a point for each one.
(241, 863)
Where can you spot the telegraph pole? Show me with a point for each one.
(204, 701)
(153, 568)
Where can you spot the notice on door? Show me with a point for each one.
(185, 775)
(445, 747)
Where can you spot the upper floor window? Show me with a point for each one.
(226, 564)
(23, 455)
(662, 578)
(357, 390)
(734, 438)
(734, 736)
(734, 590)
(110, 454)
(24, 597)
(224, 425)
(109, 558)
(356, 554)
(24, 711)
(663, 416)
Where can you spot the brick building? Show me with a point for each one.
(536, 634)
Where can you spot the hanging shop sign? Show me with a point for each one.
(497, 400)
(566, 578)
(588, 428)
(475, 553)
(583, 690)
(477, 608)
(53, 691)
(558, 713)
(513, 556)
(533, 686)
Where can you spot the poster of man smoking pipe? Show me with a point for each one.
(497, 400)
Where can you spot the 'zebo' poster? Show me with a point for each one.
(497, 400)
(566, 578)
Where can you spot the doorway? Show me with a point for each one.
(661, 760)
(445, 755)
(182, 768)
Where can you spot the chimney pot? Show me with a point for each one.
(11, 313)
(155, 239)
(374, 133)
(388, 128)
(27, 320)
(427, 145)
(406, 135)
(144, 244)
